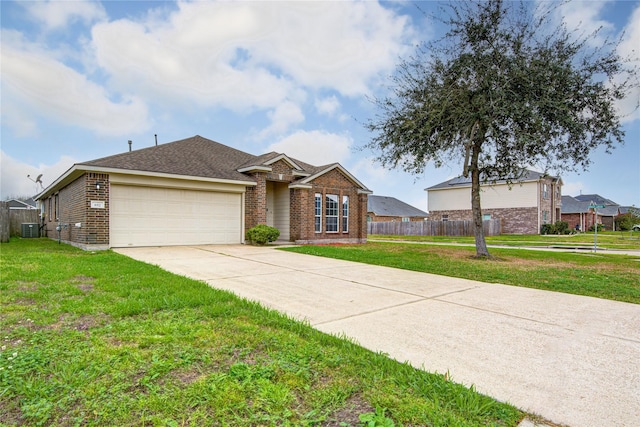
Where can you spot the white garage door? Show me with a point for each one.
(149, 216)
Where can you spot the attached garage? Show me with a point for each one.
(153, 216)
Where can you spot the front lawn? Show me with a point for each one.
(98, 339)
(615, 277)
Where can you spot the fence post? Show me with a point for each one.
(4, 222)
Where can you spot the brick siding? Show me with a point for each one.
(75, 208)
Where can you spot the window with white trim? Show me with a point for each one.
(545, 191)
(318, 213)
(345, 214)
(445, 217)
(331, 213)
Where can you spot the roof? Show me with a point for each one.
(198, 157)
(596, 199)
(572, 205)
(22, 204)
(195, 156)
(575, 205)
(390, 206)
(461, 181)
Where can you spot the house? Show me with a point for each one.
(607, 214)
(390, 209)
(522, 205)
(578, 211)
(16, 204)
(198, 191)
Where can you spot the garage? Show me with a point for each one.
(154, 216)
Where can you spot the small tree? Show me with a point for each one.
(502, 90)
(625, 222)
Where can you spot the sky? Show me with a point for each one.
(81, 78)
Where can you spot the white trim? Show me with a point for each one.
(284, 157)
(301, 186)
(255, 168)
(341, 169)
(78, 170)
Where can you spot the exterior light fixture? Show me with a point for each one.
(97, 185)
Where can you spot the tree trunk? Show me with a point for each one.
(476, 210)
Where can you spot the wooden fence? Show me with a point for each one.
(492, 227)
(11, 220)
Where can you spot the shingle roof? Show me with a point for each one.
(390, 206)
(572, 205)
(461, 181)
(195, 156)
(596, 199)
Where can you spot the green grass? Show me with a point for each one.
(615, 277)
(609, 239)
(98, 339)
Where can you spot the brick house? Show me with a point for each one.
(198, 191)
(390, 209)
(522, 206)
(577, 211)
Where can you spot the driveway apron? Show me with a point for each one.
(574, 360)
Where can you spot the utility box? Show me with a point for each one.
(30, 229)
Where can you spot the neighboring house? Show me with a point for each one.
(390, 209)
(577, 211)
(578, 215)
(606, 215)
(197, 191)
(22, 204)
(522, 206)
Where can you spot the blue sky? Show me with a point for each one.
(79, 79)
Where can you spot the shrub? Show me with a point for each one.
(600, 228)
(560, 227)
(261, 234)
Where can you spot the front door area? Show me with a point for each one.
(278, 204)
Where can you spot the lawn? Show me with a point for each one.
(607, 240)
(601, 275)
(98, 339)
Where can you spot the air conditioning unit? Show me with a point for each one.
(30, 229)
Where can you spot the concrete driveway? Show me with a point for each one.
(574, 360)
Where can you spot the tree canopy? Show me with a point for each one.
(502, 90)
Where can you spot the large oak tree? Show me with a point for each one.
(502, 90)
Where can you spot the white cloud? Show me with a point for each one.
(244, 55)
(584, 16)
(574, 188)
(31, 77)
(282, 118)
(327, 105)
(58, 14)
(13, 175)
(315, 147)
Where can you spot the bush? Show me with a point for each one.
(560, 227)
(261, 234)
(600, 228)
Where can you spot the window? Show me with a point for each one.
(318, 213)
(545, 217)
(57, 207)
(331, 213)
(445, 217)
(345, 214)
(406, 219)
(50, 210)
(486, 217)
(545, 191)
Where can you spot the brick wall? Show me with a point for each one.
(302, 204)
(74, 202)
(514, 220)
(333, 182)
